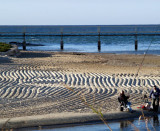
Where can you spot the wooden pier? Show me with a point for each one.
(99, 33)
(73, 35)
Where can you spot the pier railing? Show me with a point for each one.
(65, 31)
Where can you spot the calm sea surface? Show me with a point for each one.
(109, 44)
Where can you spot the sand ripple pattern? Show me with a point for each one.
(25, 84)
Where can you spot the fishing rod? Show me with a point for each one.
(145, 54)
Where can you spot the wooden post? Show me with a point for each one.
(24, 42)
(61, 44)
(136, 43)
(62, 41)
(99, 42)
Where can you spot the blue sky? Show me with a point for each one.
(79, 12)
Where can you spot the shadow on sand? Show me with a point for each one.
(4, 60)
(34, 55)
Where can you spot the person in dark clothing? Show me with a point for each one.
(154, 94)
(123, 99)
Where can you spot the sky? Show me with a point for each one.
(79, 12)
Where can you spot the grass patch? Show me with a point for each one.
(4, 47)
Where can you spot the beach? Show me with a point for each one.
(41, 82)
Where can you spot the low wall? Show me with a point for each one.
(68, 118)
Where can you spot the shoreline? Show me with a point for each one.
(138, 52)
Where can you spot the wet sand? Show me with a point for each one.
(38, 83)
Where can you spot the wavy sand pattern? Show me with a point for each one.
(31, 84)
(26, 90)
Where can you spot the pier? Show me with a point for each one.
(98, 32)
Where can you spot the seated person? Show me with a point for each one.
(144, 97)
(123, 99)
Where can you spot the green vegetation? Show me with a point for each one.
(4, 47)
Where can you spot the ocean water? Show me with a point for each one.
(50, 37)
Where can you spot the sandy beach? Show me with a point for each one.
(39, 83)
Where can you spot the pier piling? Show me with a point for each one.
(62, 43)
(24, 41)
(136, 43)
(99, 43)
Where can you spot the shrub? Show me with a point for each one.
(4, 47)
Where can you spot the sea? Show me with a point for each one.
(84, 38)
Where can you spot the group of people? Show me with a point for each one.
(154, 95)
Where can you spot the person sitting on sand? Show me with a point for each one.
(154, 94)
(144, 97)
(123, 99)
